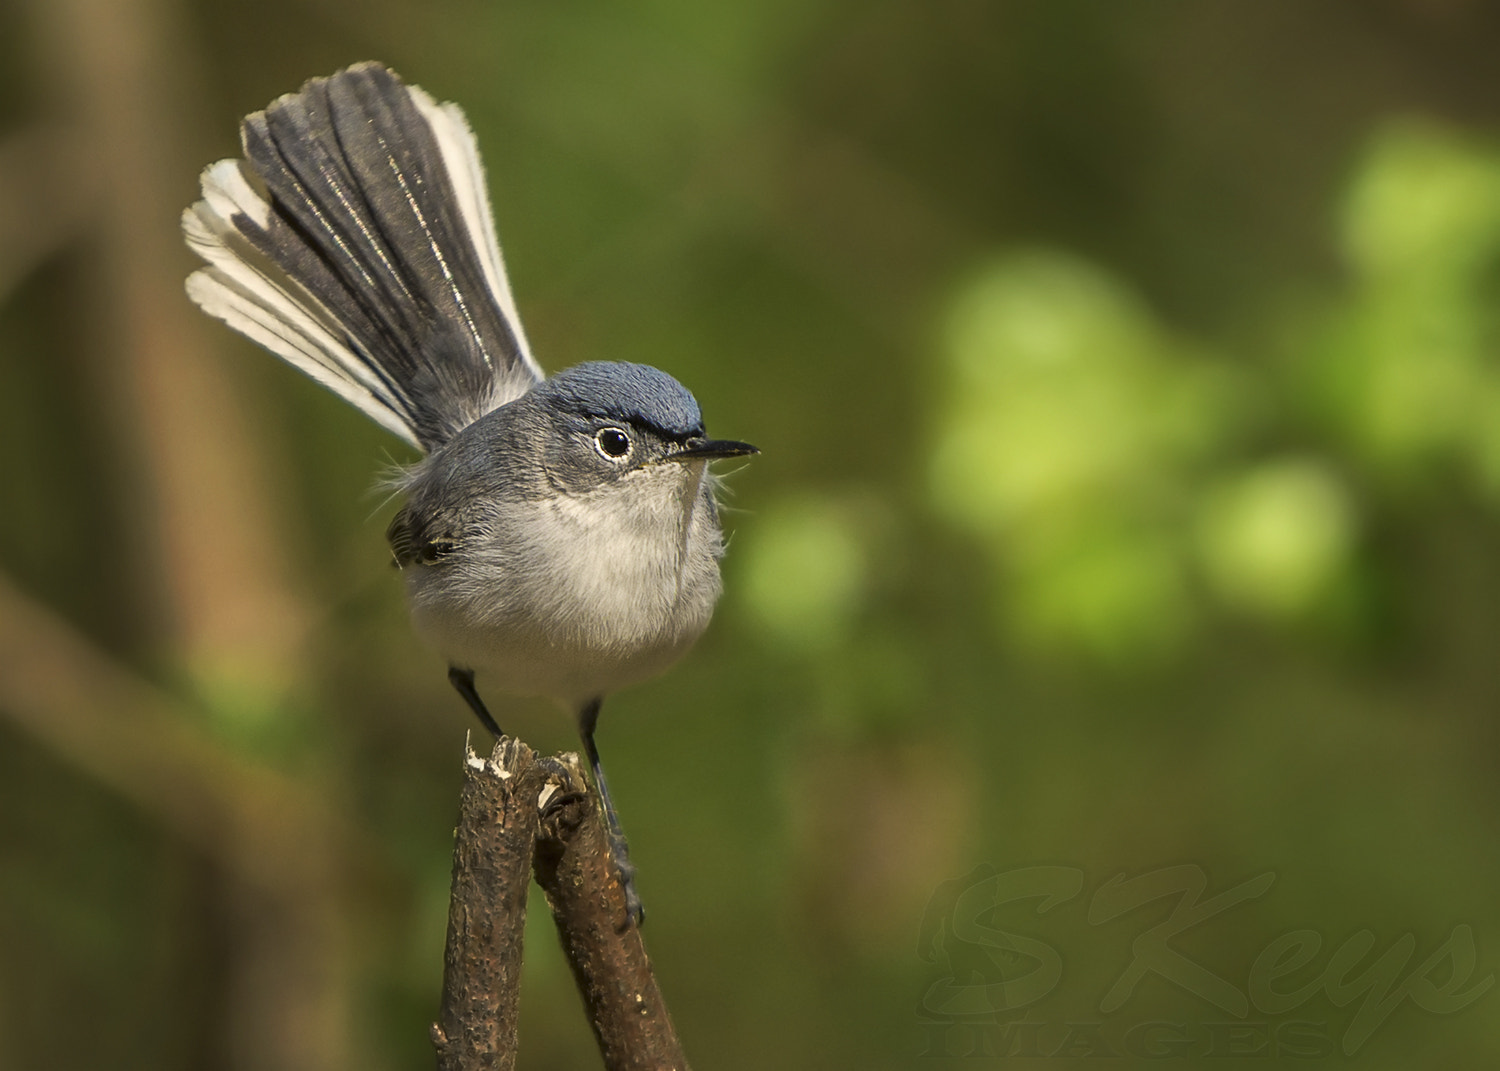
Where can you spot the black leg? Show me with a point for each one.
(463, 680)
(619, 851)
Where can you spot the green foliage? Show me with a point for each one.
(1071, 435)
(1406, 372)
(805, 575)
(1274, 539)
(1128, 485)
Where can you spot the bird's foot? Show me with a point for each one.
(619, 854)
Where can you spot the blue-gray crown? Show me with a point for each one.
(636, 393)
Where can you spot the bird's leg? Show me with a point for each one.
(619, 851)
(463, 680)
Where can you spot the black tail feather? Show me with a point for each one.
(364, 216)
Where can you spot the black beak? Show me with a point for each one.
(708, 449)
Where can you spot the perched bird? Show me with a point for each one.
(559, 536)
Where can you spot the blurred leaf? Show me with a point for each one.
(1113, 589)
(1406, 363)
(1425, 201)
(1067, 442)
(805, 575)
(1273, 539)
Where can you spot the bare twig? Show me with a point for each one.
(524, 813)
(492, 851)
(609, 962)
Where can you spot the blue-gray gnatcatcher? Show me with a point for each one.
(560, 535)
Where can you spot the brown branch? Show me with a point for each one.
(492, 851)
(520, 814)
(609, 962)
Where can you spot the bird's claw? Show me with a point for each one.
(619, 853)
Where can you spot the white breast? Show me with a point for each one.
(576, 596)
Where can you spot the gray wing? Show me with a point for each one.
(420, 539)
(355, 242)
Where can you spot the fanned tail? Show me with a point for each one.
(355, 242)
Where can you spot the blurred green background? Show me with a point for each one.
(1128, 381)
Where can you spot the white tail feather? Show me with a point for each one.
(253, 297)
(460, 152)
(333, 245)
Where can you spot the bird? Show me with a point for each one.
(559, 536)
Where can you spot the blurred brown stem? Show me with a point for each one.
(519, 813)
(48, 192)
(108, 721)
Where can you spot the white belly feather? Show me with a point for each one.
(576, 596)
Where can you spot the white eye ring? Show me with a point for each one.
(613, 444)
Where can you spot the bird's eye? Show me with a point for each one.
(612, 443)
